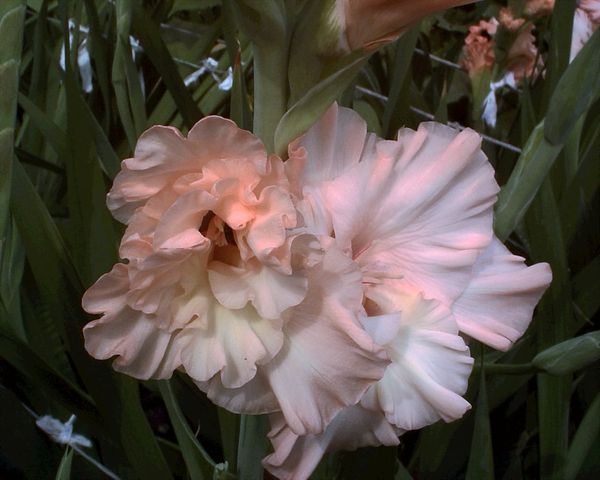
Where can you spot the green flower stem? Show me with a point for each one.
(270, 90)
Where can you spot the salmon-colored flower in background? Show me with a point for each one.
(508, 20)
(479, 50)
(368, 24)
(523, 58)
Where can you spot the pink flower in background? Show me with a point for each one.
(479, 49)
(508, 20)
(416, 215)
(523, 59)
(368, 24)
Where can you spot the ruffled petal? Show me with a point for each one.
(295, 457)
(329, 148)
(269, 291)
(498, 304)
(273, 214)
(420, 208)
(219, 137)
(109, 292)
(159, 154)
(179, 225)
(232, 342)
(327, 360)
(429, 370)
(142, 350)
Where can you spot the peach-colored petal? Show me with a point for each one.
(160, 151)
(295, 457)
(179, 226)
(232, 342)
(328, 360)
(273, 214)
(498, 304)
(219, 137)
(329, 148)
(421, 209)
(163, 154)
(270, 291)
(154, 282)
(429, 370)
(109, 293)
(142, 350)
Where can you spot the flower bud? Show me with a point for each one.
(570, 355)
(368, 24)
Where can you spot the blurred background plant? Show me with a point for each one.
(81, 80)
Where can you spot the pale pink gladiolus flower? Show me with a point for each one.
(218, 285)
(478, 52)
(368, 24)
(415, 214)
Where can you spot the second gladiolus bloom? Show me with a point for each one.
(333, 291)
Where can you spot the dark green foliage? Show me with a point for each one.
(535, 408)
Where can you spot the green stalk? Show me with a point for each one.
(270, 90)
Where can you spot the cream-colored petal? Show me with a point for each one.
(232, 342)
(498, 304)
(142, 350)
(429, 370)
